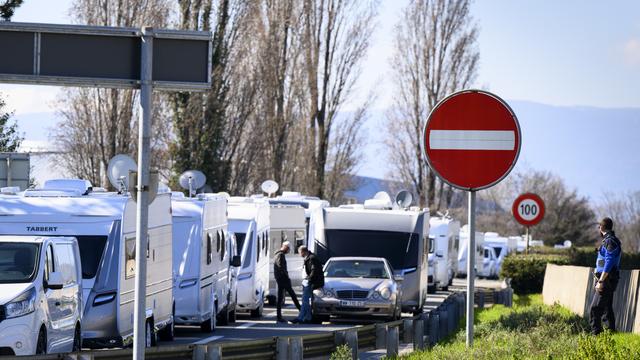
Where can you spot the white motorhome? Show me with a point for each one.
(294, 217)
(444, 237)
(250, 223)
(502, 246)
(105, 226)
(40, 295)
(462, 251)
(375, 229)
(202, 259)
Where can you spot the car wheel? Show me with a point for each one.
(223, 318)
(77, 339)
(257, 313)
(41, 345)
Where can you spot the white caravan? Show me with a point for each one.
(40, 295)
(489, 267)
(202, 258)
(444, 237)
(249, 221)
(376, 230)
(294, 217)
(105, 226)
(462, 251)
(502, 246)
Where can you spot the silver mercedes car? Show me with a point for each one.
(358, 287)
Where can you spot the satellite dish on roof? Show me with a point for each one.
(120, 166)
(404, 199)
(192, 180)
(270, 187)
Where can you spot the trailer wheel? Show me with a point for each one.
(257, 313)
(209, 325)
(168, 332)
(223, 318)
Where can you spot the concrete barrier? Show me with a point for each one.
(573, 287)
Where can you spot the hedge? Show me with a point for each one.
(527, 271)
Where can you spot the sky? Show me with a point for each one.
(581, 54)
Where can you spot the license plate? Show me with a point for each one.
(348, 303)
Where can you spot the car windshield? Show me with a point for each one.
(18, 262)
(399, 248)
(356, 269)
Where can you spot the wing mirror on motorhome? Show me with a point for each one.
(398, 277)
(236, 261)
(55, 281)
(439, 253)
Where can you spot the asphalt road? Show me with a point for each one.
(247, 328)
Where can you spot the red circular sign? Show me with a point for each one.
(528, 209)
(472, 139)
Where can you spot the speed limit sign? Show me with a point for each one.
(528, 209)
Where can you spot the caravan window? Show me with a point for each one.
(129, 258)
(246, 262)
(265, 243)
(218, 241)
(240, 242)
(400, 249)
(258, 247)
(91, 249)
(222, 242)
(209, 248)
(431, 244)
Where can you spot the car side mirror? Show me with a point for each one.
(55, 281)
(236, 261)
(439, 253)
(398, 277)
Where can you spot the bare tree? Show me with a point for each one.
(336, 35)
(435, 54)
(101, 123)
(624, 209)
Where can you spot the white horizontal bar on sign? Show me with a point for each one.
(472, 139)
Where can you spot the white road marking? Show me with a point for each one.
(208, 340)
(472, 139)
(245, 325)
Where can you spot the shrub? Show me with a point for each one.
(343, 352)
(527, 271)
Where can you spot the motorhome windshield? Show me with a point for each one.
(399, 248)
(356, 269)
(498, 250)
(240, 239)
(18, 262)
(91, 249)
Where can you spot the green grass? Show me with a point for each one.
(532, 330)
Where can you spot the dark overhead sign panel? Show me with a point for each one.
(102, 56)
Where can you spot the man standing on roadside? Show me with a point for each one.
(283, 281)
(607, 274)
(313, 281)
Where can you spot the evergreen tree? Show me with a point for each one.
(10, 138)
(8, 7)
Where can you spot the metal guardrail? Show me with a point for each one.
(422, 330)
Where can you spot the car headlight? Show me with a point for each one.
(324, 293)
(385, 293)
(23, 304)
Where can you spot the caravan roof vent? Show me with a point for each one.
(10, 190)
(351, 206)
(291, 194)
(381, 201)
(177, 195)
(82, 187)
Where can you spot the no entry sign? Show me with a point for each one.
(528, 209)
(472, 140)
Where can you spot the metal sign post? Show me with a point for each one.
(471, 270)
(471, 141)
(112, 57)
(142, 216)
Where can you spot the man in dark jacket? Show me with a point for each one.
(607, 274)
(313, 281)
(281, 274)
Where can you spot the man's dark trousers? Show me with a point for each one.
(602, 308)
(282, 287)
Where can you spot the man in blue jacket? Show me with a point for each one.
(607, 274)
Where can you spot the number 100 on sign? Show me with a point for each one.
(528, 209)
